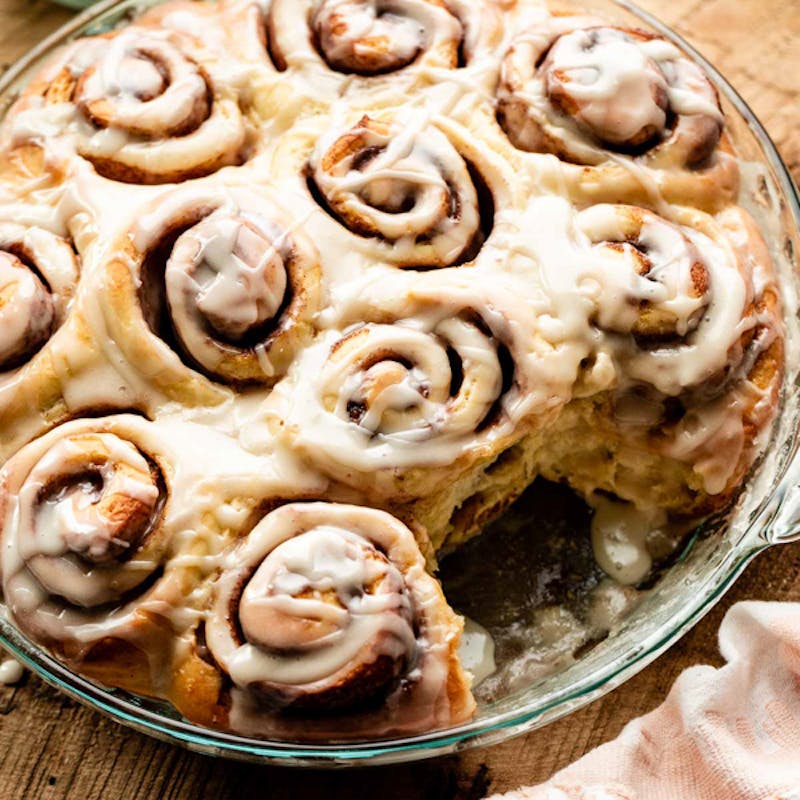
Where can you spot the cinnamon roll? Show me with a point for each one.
(83, 538)
(677, 293)
(212, 284)
(695, 334)
(140, 106)
(38, 275)
(363, 37)
(404, 188)
(417, 392)
(327, 608)
(633, 114)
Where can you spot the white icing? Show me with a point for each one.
(615, 83)
(477, 651)
(598, 85)
(11, 672)
(226, 274)
(149, 86)
(619, 538)
(237, 274)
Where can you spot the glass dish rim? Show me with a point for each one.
(480, 732)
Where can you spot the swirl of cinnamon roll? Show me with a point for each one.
(217, 283)
(624, 89)
(363, 37)
(678, 288)
(442, 379)
(327, 607)
(402, 186)
(82, 528)
(399, 383)
(146, 111)
(598, 95)
(38, 273)
(668, 290)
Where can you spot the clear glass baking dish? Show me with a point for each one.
(766, 514)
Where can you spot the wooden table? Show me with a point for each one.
(50, 747)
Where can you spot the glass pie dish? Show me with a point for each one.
(766, 513)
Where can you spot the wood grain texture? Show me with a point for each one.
(24, 23)
(51, 748)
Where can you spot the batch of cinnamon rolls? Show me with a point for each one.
(296, 295)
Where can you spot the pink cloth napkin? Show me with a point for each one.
(731, 733)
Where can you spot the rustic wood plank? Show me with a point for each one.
(53, 749)
(24, 23)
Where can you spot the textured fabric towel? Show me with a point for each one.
(731, 733)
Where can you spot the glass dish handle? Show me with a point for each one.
(784, 527)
